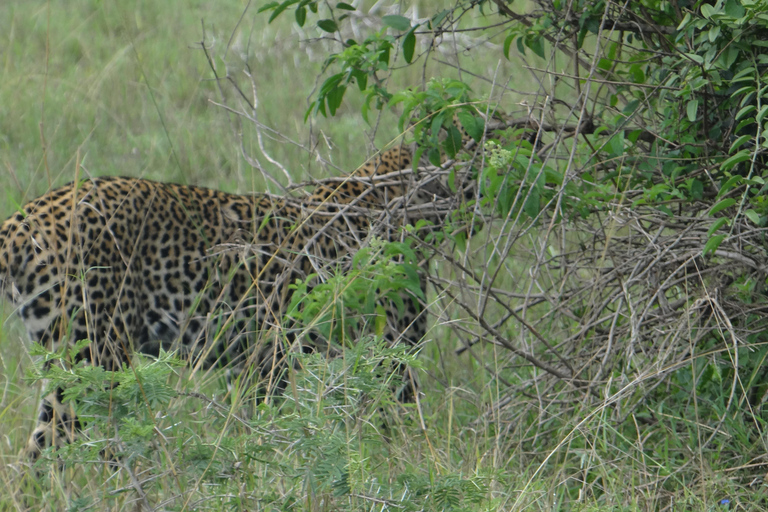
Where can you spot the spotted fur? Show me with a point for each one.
(138, 265)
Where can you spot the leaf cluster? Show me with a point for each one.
(341, 305)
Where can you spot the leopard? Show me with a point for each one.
(139, 266)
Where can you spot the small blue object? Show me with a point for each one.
(725, 501)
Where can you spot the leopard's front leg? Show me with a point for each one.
(57, 425)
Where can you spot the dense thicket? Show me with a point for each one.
(621, 263)
(598, 306)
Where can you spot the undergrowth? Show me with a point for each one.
(333, 441)
(541, 389)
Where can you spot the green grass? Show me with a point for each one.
(126, 89)
(123, 88)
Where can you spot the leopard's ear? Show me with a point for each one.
(396, 159)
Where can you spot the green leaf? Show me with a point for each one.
(745, 74)
(712, 244)
(739, 157)
(692, 109)
(744, 111)
(697, 189)
(452, 143)
(722, 205)
(698, 59)
(417, 155)
(731, 54)
(434, 157)
(409, 44)
(637, 73)
(335, 96)
(749, 121)
(384, 53)
(435, 125)
(604, 64)
(743, 91)
(729, 184)
(580, 37)
(345, 7)
(361, 78)
(280, 8)
(397, 22)
(717, 225)
(473, 125)
(532, 203)
(616, 145)
(266, 7)
(439, 17)
(753, 216)
(685, 21)
(761, 114)
(630, 107)
(734, 9)
(520, 46)
(328, 25)
(365, 109)
(738, 142)
(301, 16)
(535, 44)
(507, 44)
(714, 33)
(552, 176)
(330, 83)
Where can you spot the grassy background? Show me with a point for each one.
(123, 88)
(126, 87)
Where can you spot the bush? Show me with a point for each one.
(599, 305)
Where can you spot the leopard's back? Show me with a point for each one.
(133, 264)
(127, 259)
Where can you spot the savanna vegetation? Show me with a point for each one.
(597, 309)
